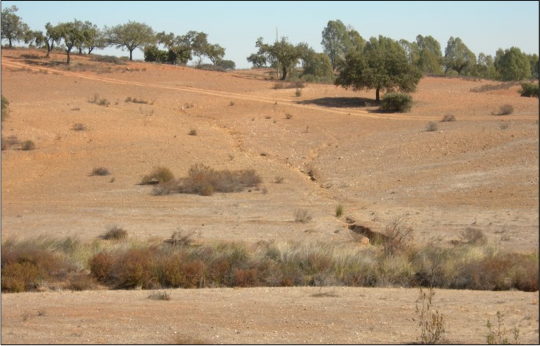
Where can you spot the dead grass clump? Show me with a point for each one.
(136, 100)
(505, 110)
(431, 126)
(81, 282)
(179, 238)
(474, 236)
(448, 118)
(160, 296)
(398, 237)
(301, 215)
(158, 175)
(99, 101)
(28, 145)
(115, 232)
(100, 171)
(78, 127)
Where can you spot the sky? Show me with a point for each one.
(484, 26)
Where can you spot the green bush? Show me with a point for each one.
(527, 90)
(396, 102)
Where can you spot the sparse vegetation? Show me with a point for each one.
(396, 102)
(431, 126)
(339, 210)
(78, 127)
(179, 238)
(115, 232)
(278, 179)
(231, 103)
(492, 87)
(160, 174)
(298, 92)
(192, 132)
(136, 100)
(288, 116)
(159, 296)
(301, 215)
(505, 110)
(448, 118)
(432, 325)
(100, 171)
(504, 125)
(99, 101)
(129, 264)
(474, 236)
(28, 145)
(5, 109)
(497, 334)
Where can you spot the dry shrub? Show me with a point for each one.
(431, 322)
(81, 282)
(101, 266)
(448, 118)
(28, 145)
(137, 268)
(505, 110)
(431, 126)
(158, 175)
(474, 236)
(497, 334)
(490, 87)
(245, 277)
(301, 215)
(398, 237)
(159, 296)
(25, 267)
(115, 233)
(204, 180)
(179, 238)
(100, 171)
(192, 132)
(78, 127)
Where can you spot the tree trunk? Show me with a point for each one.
(10, 44)
(377, 98)
(68, 56)
(48, 49)
(284, 73)
(131, 54)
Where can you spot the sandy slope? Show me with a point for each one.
(469, 173)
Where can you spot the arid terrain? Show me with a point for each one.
(328, 146)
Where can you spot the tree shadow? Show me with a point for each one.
(341, 102)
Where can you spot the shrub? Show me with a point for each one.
(398, 237)
(527, 90)
(179, 238)
(115, 233)
(278, 179)
(298, 92)
(78, 127)
(396, 102)
(81, 282)
(431, 323)
(101, 266)
(158, 175)
(288, 116)
(99, 101)
(474, 236)
(101, 171)
(135, 100)
(339, 210)
(28, 145)
(431, 126)
(505, 110)
(231, 103)
(301, 215)
(192, 132)
(497, 335)
(448, 118)
(108, 59)
(159, 296)
(5, 110)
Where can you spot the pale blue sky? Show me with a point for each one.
(482, 26)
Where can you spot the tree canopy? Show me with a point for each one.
(131, 36)
(338, 40)
(285, 54)
(457, 56)
(13, 28)
(382, 65)
(512, 64)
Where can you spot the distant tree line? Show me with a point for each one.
(84, 37)
(378, 63)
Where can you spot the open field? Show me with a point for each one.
(327, 146)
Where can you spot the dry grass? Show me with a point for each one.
(100, 171)
(431, 322)
(115, 232)
(301, 215)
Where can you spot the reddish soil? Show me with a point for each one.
(480, 171)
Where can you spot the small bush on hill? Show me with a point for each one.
(28, 145)
(505, 110)
(115, 233)
(448, 118)
(158, 175)
(527, 90)
(100, 171)
(396, 102)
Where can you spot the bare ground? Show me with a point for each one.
(474, 172)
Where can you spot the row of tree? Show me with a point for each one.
(85, 37)
(340, 41)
